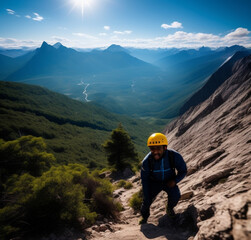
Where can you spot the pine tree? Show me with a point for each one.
(120, 149)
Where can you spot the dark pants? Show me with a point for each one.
(154, 190)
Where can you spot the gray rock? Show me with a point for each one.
(218, 175)
(186, 195)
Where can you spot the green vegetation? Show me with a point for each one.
(73, 131)
(136, 200)
(125, 184)
(120, 150)
(43, 202)
(25, 155)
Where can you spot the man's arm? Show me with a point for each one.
(181, 167)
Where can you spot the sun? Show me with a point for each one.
(82, 4)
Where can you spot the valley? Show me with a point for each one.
(159, 88)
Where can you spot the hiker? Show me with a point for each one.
(158, 173)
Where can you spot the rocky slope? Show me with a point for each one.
(214, 139)
(223, 73)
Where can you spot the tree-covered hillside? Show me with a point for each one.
(73, 131)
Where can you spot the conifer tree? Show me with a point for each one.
(120, 149)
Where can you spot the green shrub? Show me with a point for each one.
(121, 183)
(102, 201)
(124, 184)
(44, 204)
(136, 200)
(62, 195)
(25, 155)
(57, 200)
(128, 185)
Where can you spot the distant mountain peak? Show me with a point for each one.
(57, 45)
(204, 49)
(45, 47)
(235, 48)
(116, 48)
(44, 44)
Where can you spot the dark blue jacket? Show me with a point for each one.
(162, 171)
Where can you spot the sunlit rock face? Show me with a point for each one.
(214, 139)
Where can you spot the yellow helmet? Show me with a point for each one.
(157, 139)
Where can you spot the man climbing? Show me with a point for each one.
(158, 173)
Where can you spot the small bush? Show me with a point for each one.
(104, 205)
(124, 184)
(136, 200)
(128, 185)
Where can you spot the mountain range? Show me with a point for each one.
(117, 80)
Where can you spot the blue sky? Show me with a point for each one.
(134, 23)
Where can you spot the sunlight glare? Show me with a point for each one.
(82, 4)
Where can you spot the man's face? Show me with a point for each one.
(157, 151)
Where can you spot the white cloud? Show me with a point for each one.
(12, 43)
(107, 28)
(62, 40)
(191, 37)
(238, 33)
(179, 39)
(122, 32)
(84, 35)
(37, 17)
(10, 11)
(173, 25)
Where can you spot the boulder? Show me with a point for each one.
(187, 195)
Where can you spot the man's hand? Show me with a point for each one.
(171, 183)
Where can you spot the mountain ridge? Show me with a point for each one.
(118, 81)
(71, 61)
(215, 141)
(217, 78)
